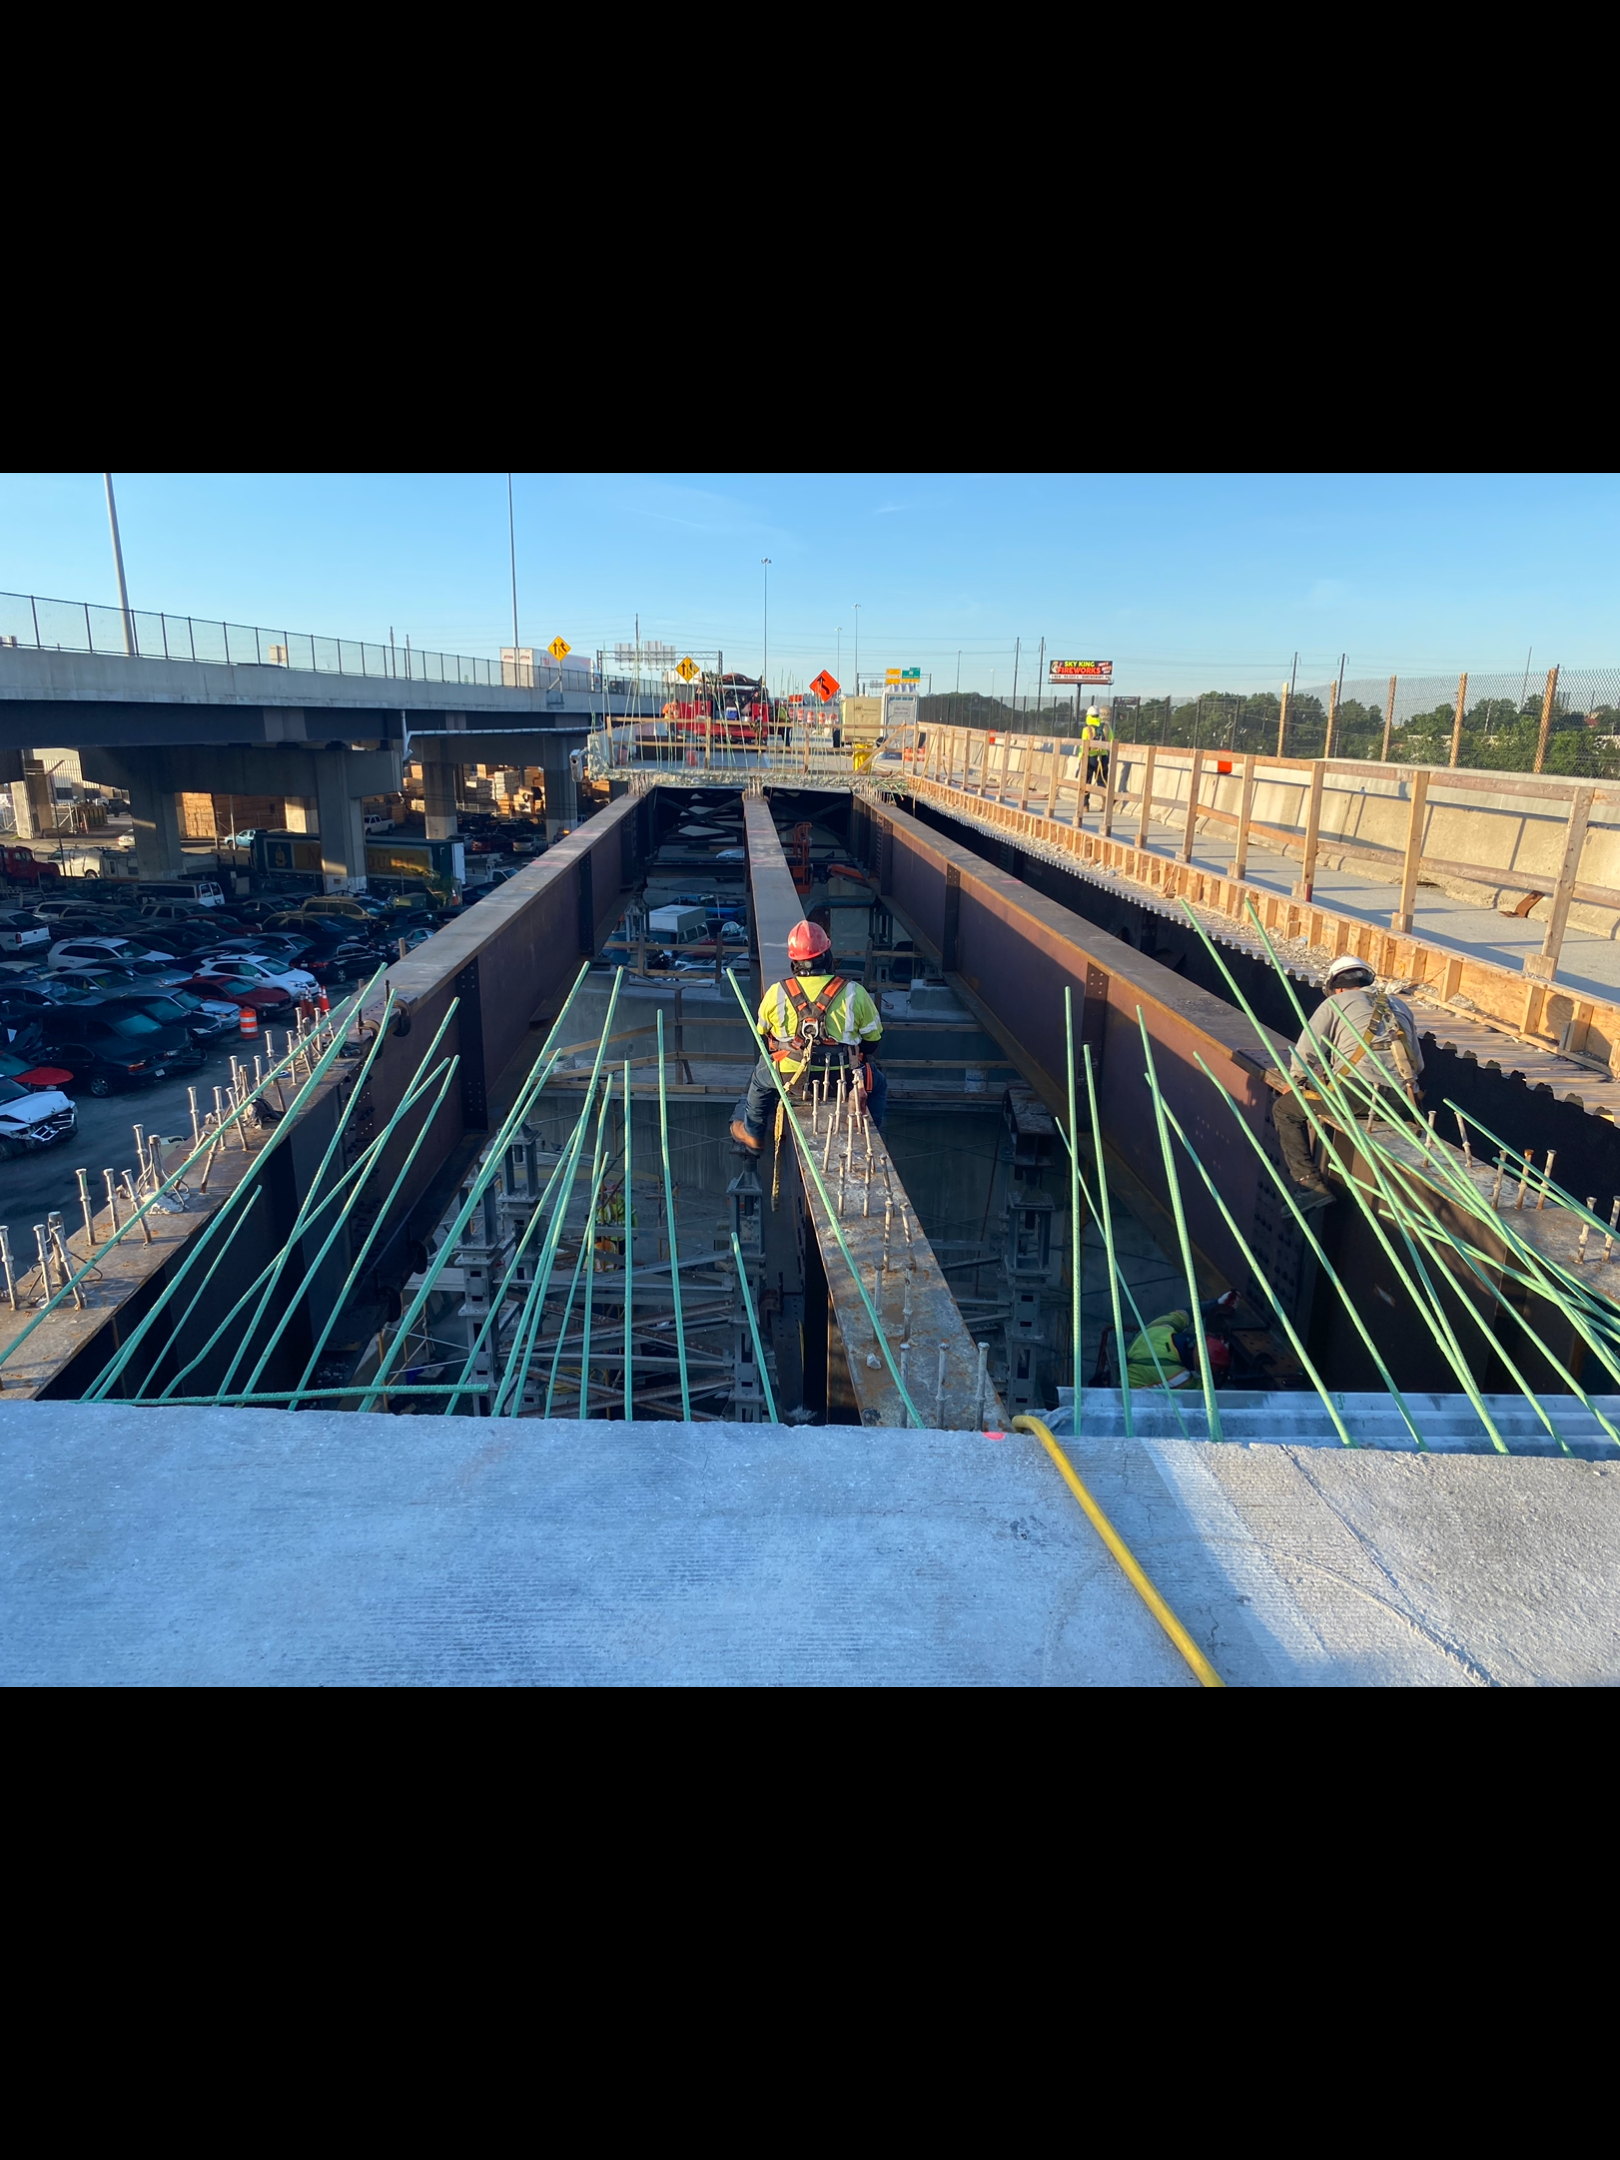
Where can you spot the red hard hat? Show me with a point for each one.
(1220, 1353)
(806, 940)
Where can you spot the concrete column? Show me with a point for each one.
(155, 814)
(340, 819)
(438, 794)
(562, 797)
(31, 803)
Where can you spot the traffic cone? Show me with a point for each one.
(247, 1021)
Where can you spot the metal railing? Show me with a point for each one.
(41, 625)
(677, 752)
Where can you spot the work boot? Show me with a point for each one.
(1314, 1193)
(743, 1137)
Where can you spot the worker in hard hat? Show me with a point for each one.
(1175, 1344)
(1358, 1027)
(812, 1023)
(1094, 741)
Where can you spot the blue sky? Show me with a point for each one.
(1188, 582)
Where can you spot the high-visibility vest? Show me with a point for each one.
(1158, 1337)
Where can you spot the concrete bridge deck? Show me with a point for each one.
(231, 1548)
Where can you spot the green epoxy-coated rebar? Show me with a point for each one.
(1211, 1408)
(807, 1159)
(669, 1221)
(1323, 1262)
(383, 1215)
(753, 1329)
(629, 1234)
(306, 1200)
(468, 1383)
(1076, 1222)
(1107, 1221)
(539, 1073)
(1258, 1274)
(1427, 1300)
(1136, 1310)
(354, 1180)
(584, 1264)
(510, 1395)
(1448, 1350)
(115, 1368)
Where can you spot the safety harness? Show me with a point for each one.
(810, 1014)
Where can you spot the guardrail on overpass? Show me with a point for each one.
(80, 626)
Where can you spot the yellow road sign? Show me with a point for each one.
(688, 668)
(559, 648)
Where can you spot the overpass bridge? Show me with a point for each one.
(164, 704)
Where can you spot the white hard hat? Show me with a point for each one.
(1348, 964)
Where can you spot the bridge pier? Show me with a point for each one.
(334, 780)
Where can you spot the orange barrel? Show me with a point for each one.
(247, 1021)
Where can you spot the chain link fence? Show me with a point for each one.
(79, 626)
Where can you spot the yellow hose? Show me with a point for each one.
(1205, 1671)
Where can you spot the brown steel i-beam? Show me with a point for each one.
(1014, 953)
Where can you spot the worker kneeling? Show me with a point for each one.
(812, 1024)
(1171, 1341)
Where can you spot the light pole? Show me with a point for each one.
(765, 667)
(511, 542)
(857, 648)
(118, 565)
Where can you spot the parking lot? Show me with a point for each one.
(31, 1185)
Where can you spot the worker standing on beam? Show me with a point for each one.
(812, 1023)
(1356, 1025)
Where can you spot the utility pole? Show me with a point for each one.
(1040, 676)
(511, 542)
(1017, 643)
(765, 667)
(118, 565)
(857, 648)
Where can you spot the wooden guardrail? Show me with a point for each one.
(1026, 770)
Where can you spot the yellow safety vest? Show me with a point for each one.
(1158, 1336)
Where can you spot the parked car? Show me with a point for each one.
(33, 1118)
(189, 911)
(23, 933)
(58, 907)
(269, 1000)
(168, 1014)
(352, 907)
(112, 1047)
(258, 967)
(273, 944)
(374, 824)
(102, 952)
(20, 1002)
(206, 1018)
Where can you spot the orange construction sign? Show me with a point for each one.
(825, 686)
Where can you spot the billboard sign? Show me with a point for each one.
(1080, 671)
